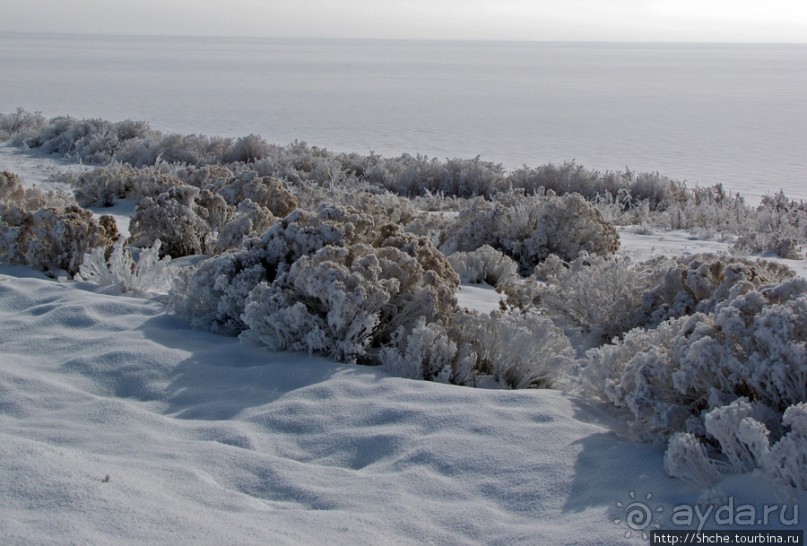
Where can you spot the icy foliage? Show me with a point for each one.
(518, 350)
(173, 217)
(744, 445)
(752, 344)
(778, 227)
(530, 228)
(248, 149)
(600, 295)
(266, 192)
(419, 175)
(105, 185)
(485, 264)
(426, 352)
(743, 440)
(609, 296)
(345, 301)
(47, 231)
(647, 199)
(149, 273)
(786, 462)
(90, 140)
(686, 459)
(20, 125)
(249, 220)
(692, 373)
(213, 296)
(521, 350)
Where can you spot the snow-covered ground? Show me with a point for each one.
(121, 425)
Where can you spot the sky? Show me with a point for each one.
(541, 20)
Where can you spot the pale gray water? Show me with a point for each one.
(735, 114)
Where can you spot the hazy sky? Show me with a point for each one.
(594, 20)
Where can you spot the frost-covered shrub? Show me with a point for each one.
(213, 209)
(171, 217)
(91, 140)
(47, 232)
(267, 192)
(148, 273)
(565, 226)
(20, 125)
(345, 301)
(209, 177)
(214, 295)
(248, 149)
(597, 294)
(386, 207)
(741, 443)
(58, 239)
(687, 284)
(530, 228)
(520, 350)
(686, 459)
(743, 440)
(11, 189)
(725, 377)
(610, 296)
(786, 461)
(778, 226)
(249, 220)
(485, 264)
(427, 352)
(105, 185)
(419, 175)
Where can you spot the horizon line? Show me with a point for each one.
(400, 39)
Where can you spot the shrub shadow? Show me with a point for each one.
(222, 376)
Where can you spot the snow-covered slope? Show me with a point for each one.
(120, 425)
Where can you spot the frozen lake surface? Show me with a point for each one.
(703, 113)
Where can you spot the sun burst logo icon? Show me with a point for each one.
(639, 515)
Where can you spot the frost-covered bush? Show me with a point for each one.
(520, 350)
(91, 140)
(248, 149)
(530, 228)
(213, 296)
(609, 296)
(687, 284)
(751, 345)
(485, 264)
(147, 273)
(786, 461)
(725, 377)
(20, 125)
(267, 192)
(597, 294)
(45, 231)
(105, 185)
(248, 220)
(213, 209)
(739, 442)
(428, 352)
(686, 458)
(419, 175)
(778, 227)
(173, 217)
(11, 189)
(347, 302)
(327, 282)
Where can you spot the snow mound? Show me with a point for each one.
(120, 424)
